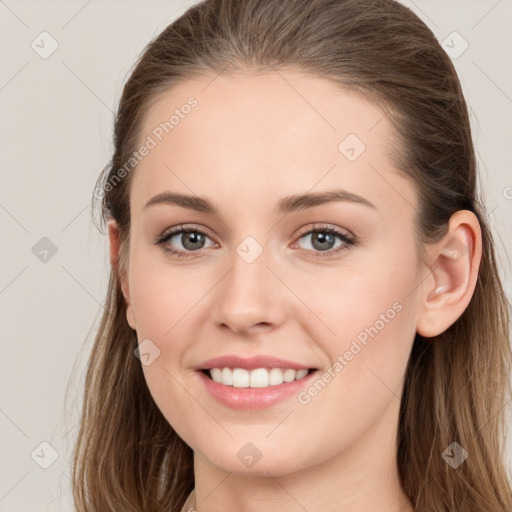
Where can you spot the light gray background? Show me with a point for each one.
(56, 131)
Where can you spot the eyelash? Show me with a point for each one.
(348, 240)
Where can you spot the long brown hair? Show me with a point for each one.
(127, 456)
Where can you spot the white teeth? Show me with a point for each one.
(258, 378)
(289, 375)
(275, 377)
(226, 376)
(240, 378)
(216, 374)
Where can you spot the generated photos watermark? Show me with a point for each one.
(342, 360)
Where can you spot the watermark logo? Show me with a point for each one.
(44, 455)
(351, 147)
(454, 45)
(249, 249)
(44, 45)
(44, 250)
(147, 352)
(454, 455)
(249, 455)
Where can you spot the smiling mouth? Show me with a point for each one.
(257, 378)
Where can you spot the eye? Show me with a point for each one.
(191, 240)
(183, 241)
(322, 241)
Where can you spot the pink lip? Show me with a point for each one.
(250, 363)
(254, 398)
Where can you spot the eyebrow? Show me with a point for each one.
(288, 204)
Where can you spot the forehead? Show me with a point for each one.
(278, 130)
(277, 106)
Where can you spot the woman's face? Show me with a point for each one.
(262, 276)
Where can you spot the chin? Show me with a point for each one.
(249, 460)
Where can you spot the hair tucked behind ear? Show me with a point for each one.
(127, 456)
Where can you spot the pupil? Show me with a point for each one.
(323, 238)
(196, 239)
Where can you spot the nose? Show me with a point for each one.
(250, 298)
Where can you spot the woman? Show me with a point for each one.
(304, 310)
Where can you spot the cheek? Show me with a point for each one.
(163, 308)
(373, 329)
(161, 297)
(367, 319)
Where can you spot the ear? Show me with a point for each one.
(453, 267)
(113, 234)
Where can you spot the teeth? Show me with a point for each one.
(258, 378)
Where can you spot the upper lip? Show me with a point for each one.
(250, 363)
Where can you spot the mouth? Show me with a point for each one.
(255, 389)
(257, 378)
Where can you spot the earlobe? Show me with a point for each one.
(113, 233)
(453, 273)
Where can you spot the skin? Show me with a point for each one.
(253, 139)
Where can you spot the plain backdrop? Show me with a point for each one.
(56, 136)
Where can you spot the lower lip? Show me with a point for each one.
(254, 398)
